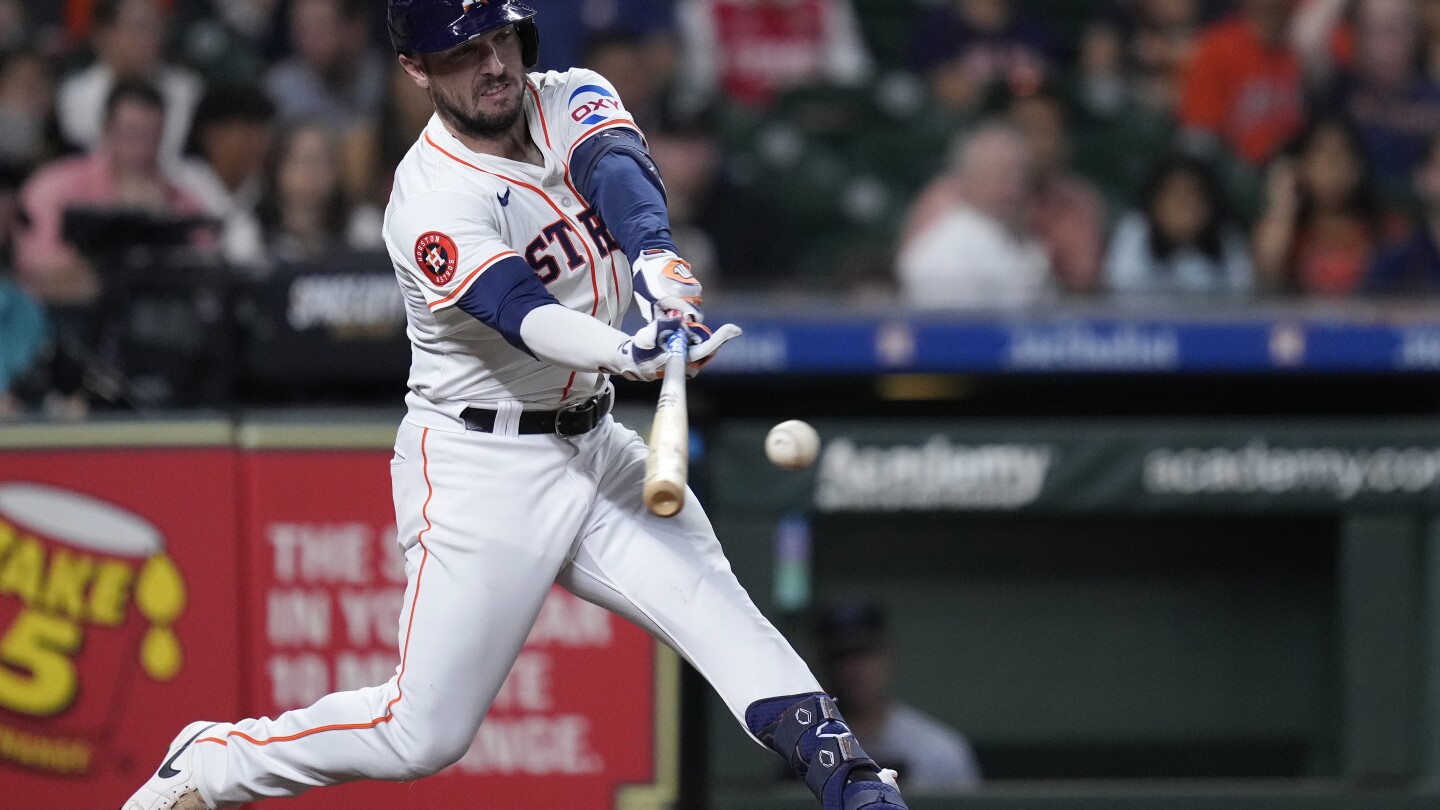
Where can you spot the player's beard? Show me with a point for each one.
(475, 123)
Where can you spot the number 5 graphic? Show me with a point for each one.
(42, 646)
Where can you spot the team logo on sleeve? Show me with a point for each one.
(592, 104)
(437, 256)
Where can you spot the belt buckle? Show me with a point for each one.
(588, 406)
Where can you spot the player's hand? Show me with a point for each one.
(642, 357)
(705, 343)
(664, 284)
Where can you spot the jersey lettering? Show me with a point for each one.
(541, 262)
(560, 232)
(599, 234)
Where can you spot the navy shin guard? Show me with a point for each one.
(812, 736)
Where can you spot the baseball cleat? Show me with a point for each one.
(890, 777)
(174, 785)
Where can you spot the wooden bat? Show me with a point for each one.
(668, 465)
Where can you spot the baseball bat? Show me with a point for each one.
(668, 465)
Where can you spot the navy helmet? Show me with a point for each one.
(431, 26)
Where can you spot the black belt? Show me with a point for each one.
(572, 421)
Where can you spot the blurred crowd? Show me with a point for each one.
(1181, 147)
(938, 153)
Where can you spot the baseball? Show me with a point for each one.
(792, 445)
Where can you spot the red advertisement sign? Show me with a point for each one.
(574, 723)
(142, 589)
(118, 598)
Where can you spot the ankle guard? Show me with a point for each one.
(812, 736)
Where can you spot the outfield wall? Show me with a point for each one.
(1135, 615)
(154, 573)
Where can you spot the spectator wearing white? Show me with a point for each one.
(1179, 241)
(983, 251)
(225, 167)
(128, 36)
(750, 51)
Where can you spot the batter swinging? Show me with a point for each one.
(521, 222)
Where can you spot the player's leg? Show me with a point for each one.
(485, 522)
(670, 576)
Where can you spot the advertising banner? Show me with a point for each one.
(118, 614)
(144, 587)
(1088, 341)
(576, 720)
(1095, 466)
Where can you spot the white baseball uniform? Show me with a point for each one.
(488, 521)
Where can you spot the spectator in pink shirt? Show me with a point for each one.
(123, 172)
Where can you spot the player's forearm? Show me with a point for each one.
(617, 175)
(569, 339)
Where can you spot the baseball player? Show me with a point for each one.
(521, 222)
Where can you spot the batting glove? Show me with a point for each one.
(643, 356)
(664, 284)
(704, 343)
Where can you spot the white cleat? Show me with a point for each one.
(889, 777)
(174, 786)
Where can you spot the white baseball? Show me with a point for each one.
(792, 445)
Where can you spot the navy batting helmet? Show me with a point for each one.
(431, 26)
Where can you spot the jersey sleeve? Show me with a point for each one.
(587, 103)
(444, 241)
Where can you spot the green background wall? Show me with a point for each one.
(1100, 632)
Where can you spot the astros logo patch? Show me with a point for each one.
(437, 256)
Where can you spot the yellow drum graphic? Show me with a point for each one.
(71, 569)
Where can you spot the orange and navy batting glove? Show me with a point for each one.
(664, 284)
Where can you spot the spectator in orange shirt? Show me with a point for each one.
(1244, 87)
